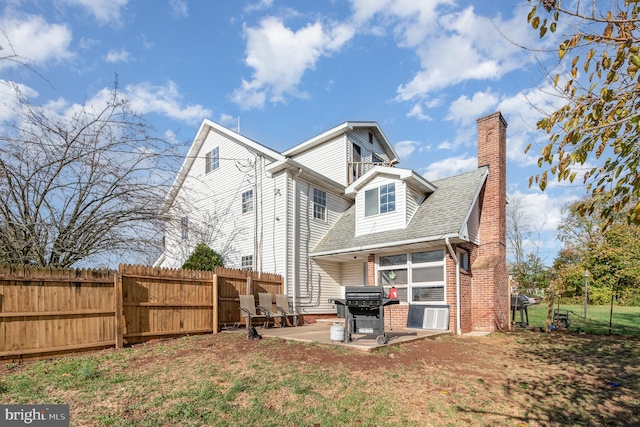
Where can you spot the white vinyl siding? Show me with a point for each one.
(473, 224)
(214, 209)
(361, 137)
(353, 273)
(317, 280)
(414, 199)
(328, 159)
(367, 222)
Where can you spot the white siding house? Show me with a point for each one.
(335, 211)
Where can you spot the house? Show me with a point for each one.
(336, 210)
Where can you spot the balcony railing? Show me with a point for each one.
(357, 169)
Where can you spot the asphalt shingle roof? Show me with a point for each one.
(441, 214)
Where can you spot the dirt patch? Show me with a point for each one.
(520, 378)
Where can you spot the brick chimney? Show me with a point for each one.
(490, 284)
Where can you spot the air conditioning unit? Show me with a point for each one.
(428, 317)
(436, 318)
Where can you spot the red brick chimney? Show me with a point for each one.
(490, 284)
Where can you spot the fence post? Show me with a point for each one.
(119, 307)
(216, 320)
(249, 292)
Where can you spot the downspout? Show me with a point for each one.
(457, 261)
(296, 239)
(286, 231)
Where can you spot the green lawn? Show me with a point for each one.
(625, 320)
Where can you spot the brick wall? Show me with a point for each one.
(489, 285)
(371, 270)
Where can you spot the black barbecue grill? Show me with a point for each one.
(364, 311)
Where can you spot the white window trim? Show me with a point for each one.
(409, 266)
(210, 166)
(243, 202)
(378, 202)
(246, 266)
(324, 207)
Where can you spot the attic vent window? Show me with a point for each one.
(370, 138)
(380, 200)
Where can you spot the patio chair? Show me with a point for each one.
(248, 311)
(265, 304)
(283, 306)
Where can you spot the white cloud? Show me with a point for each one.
(180, 8)
(277, 71)
(34, 40)
(540, 209)
(115, 56)
(463, 46)
(416, 111)
(450, 167)
(465, 111)
(87, 43)
(165, 100)
(405, 148)
(228, 121)
(259, 5)
(104, 11)
(8, 101)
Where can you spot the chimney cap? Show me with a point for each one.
(491, 116)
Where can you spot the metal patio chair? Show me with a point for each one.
(283, 306)
(248, 311)
(265, 304)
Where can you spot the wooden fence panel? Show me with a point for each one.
(165, 302)
(232, 283)
(45, 311)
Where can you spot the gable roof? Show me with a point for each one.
(442, 214)
(414, 180)
(196, 146)
(340, 129)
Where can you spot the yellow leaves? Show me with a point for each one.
(572, 176)
(535, 23)
(575, 61)
(546, 151)
(527, 148)
(608, 31)
(635, 60)
(636, 212)
(543, 181)
(531, 14)
(555, 79)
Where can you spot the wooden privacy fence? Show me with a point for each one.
(47, 311)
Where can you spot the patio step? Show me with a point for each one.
(329, 321)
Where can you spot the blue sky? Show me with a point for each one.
(287, 70)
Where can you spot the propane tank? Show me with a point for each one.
(393, 293)
(336, 332)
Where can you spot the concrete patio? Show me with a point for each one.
(320, 333)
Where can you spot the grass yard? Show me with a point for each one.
(625, 320)
(519, 379)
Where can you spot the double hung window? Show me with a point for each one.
(319, 204)
(212, 160)
(247, 201)
(380, 200)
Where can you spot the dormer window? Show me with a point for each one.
(380, 200)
